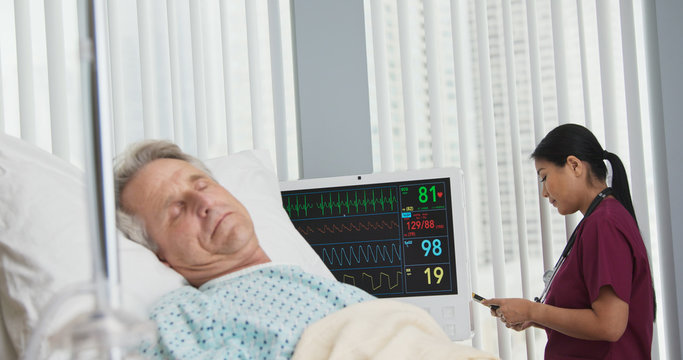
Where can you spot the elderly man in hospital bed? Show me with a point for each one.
(240, 304)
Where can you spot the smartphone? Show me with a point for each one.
(479, 299)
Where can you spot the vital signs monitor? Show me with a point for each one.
(395, 235)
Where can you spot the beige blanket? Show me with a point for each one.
(380, 329)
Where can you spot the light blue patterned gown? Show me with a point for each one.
(256, 313)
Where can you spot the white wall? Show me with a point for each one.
(332, 87)
(670, 42)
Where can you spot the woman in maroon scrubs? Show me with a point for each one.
(599, 302)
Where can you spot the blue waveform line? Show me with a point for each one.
(360, 252)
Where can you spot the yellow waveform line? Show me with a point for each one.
(350, 279)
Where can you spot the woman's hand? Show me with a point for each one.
(522, 326)
(605, 320)
(515, 313)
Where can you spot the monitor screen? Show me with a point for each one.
(390, 239)
(399, 235)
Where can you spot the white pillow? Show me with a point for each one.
(249, 176)
(43, 234)
(6, 347)
(44, 244)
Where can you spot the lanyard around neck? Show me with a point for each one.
(570, 243)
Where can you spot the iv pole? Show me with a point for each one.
(97, 120)
(107, 332)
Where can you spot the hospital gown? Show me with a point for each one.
(256, 313)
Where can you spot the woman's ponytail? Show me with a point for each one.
(621, 190)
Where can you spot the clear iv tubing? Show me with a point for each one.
(48, 313)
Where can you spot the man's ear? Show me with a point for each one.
(576, 166)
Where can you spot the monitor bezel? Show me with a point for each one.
(436, 305)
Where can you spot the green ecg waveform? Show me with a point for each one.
(342, 202)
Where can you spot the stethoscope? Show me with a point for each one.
(549, 275)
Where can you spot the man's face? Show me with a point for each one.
(202, 231)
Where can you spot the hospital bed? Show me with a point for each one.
(44, 247)
(45, 244)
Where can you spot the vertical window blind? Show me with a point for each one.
(467, 83)
(212, 76)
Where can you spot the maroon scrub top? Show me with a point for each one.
(608, 251)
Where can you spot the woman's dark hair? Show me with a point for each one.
(573, 139)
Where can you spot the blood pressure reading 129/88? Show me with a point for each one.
(390, 239)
